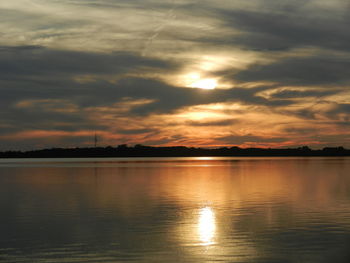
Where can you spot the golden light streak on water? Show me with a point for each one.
(206, 226)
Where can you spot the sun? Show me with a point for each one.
(194, 80)
(204, 84)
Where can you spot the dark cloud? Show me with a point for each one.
(31, 72)
(300, 71)
(30, 61)
(45, 77)
(289, 93)
(340, 112)
(331, 111)
(287, 25)
(27, 119)
(135, 131)
(36, 73)
(343, 107)
(240, 139)
(172, 98)
(305, 131)
(212, 123)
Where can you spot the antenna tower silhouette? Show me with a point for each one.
(95, 140)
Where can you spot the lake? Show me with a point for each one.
(175, 210)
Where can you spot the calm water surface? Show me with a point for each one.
(175, 210)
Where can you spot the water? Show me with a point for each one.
(175, 210)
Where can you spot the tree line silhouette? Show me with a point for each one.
(139, 150)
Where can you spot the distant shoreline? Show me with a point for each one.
(176, 151)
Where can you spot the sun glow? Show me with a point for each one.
(206, 226)
(195, 81)
(205, 84)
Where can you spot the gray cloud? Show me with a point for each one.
(135, 131)
(305, 43)
(50, 80)
(333, 112)
(288, 93)
(212, 123)
(171, 98)
(39, 73)
(299, 131)
(300, 71)
(46, 77)
(30, 61)
(240, 139)
(287, 25)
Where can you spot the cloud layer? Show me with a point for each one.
(124, 70)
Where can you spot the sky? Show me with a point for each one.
(202, 73)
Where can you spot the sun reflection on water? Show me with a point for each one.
(206, 226)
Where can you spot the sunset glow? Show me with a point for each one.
(174, 74)
(205, 84)
(195, 80)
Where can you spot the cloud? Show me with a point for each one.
(40, 91)
(37, 73)
(172, 98)
(325, 110)
(269, 26)
(50, 98)
(293, 93)
(309, 71)
(78, 66)
(212, 123)
(241, 139)
(30, 61)
(135, 131)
